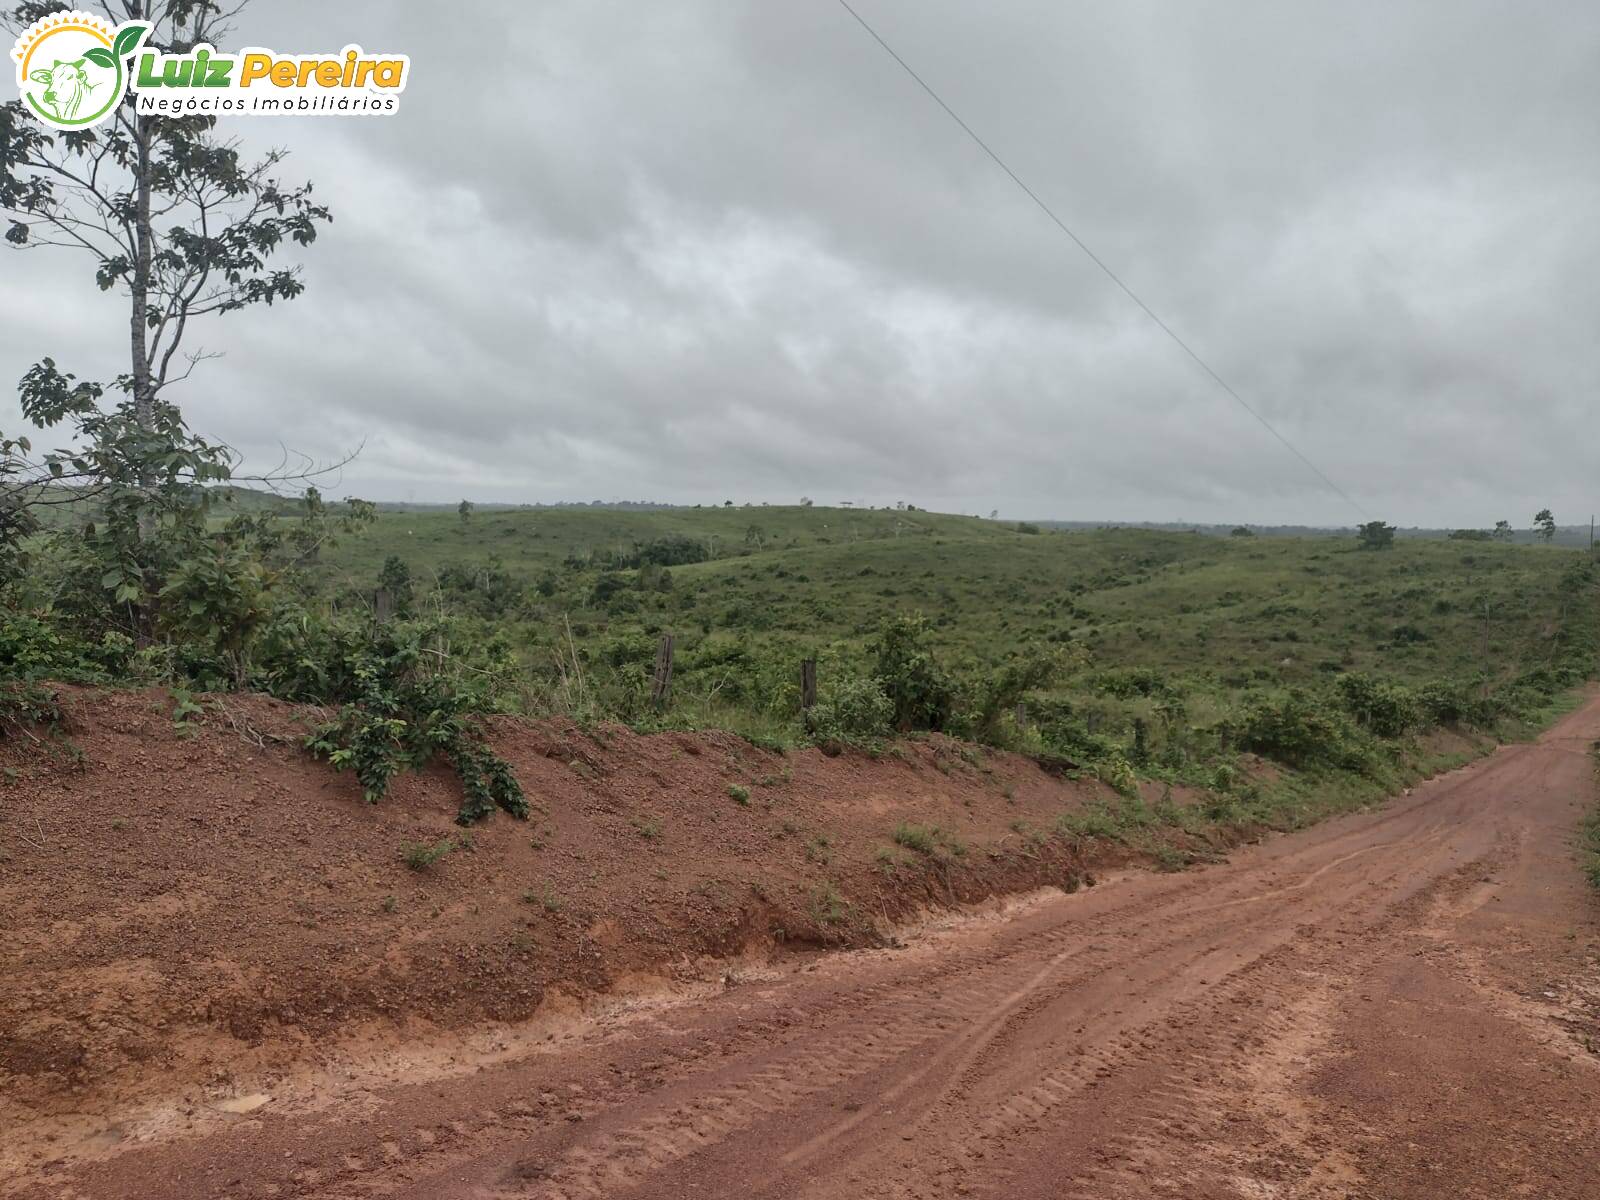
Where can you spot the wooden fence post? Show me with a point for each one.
(661, 685)
(382, 605)
(808, 683)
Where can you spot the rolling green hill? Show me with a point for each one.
(1131, 653)
(534, 539)
(1213, 624)
(1291, 608)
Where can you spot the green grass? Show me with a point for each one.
(544, 896)
(1174, 634)
(827, 906)
(535, 539)
(1174, 642)
(921, 838)
(419, 856)
(1247, 611)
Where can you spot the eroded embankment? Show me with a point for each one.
(187, 902)
(177, 899)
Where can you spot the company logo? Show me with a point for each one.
(72, 67)
(73, 70)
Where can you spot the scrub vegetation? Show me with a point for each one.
(1128, 656)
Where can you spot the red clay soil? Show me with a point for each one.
(1394, 1005)
(182, 903)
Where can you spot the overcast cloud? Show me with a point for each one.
(726, 249)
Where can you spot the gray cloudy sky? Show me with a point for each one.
(720, 249)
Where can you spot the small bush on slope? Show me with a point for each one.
(397, 712)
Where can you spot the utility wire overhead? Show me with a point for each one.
(1099, 262)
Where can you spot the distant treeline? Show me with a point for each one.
(1566, 535)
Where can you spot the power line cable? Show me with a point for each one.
(1099, 262)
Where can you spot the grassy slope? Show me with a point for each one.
(1220, 618)
(1282, 610)
(533, 540)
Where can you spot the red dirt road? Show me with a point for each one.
(1399, 1004)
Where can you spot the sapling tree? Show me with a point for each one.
(1545, 524)
(183, 225)
(1375, 535)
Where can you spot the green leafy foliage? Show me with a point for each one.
(398, 711)
(27, 706)
(1134, 655)
(1375, 535)
(851, 712)
(1386, 709)
(419, 856)
(1303, 730)
(395, 578)
(921, 695)
(988, 698)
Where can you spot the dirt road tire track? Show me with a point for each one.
(1324, 1016)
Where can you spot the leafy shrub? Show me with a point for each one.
(1301, 730)
(753, 675)
(398, 710)
(483, 589)
(395, 578)
(920, 693)
(987, 699)
(32, 647)
(1128, 682)
(607, 587)
(1385, 709)
(26, 706)
(1375, 535)
(217, 598)
(1064, 731)
(672, 551)
(853, 712)
(1457, 703)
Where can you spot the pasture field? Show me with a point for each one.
(1243, 609)
(1178, 631)
(1129, 655)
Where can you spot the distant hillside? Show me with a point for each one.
(1566, 535)
(1267, 609)
(243, 499)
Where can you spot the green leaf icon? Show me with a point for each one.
(128, 39)
(100, 57)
